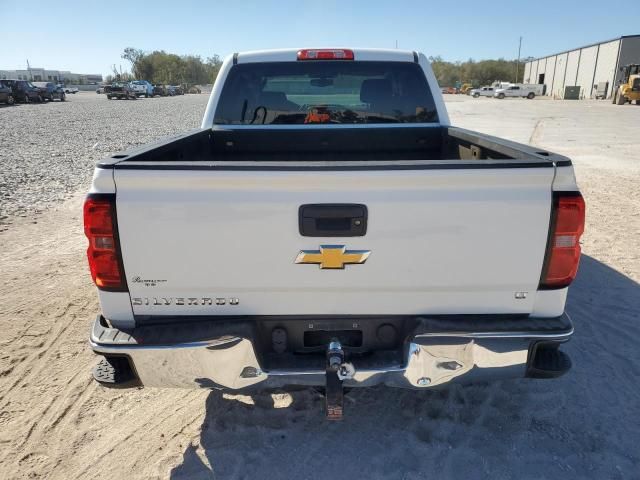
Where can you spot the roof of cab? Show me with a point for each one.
(360, 54)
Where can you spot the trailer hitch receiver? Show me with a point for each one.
(335, 369)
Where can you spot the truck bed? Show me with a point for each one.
(334, 148)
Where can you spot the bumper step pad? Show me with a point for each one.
(115, 372)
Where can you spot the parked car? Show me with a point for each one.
(482, 92)
(120, 91)
(141, 88)
(50, 91)
(449, 90)
(67, 90)
(159, 90)
(24, 91)
(174, 90)
(434, 269)
(6, 94)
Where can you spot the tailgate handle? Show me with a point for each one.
(332, 220)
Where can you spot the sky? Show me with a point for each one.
(89, 37)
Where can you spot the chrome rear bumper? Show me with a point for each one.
(223, 355)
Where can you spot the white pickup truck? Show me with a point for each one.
(517, 90)
(327, 226)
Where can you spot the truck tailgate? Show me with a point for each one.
(223, 241)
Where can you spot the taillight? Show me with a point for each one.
(563, 250)
(104, 249)
(325, 54)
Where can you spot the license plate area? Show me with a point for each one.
(322, 338)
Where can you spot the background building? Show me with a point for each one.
(584, 67)
(35, 74)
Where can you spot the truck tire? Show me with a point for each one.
(63, 97)
(10, 100)
(531, 95)
(621, 100)
(108, 97)
(501, 96)
(476, 95)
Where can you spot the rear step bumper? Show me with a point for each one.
(223, 354)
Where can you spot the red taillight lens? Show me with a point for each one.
(563, 251)
(325, 54)
(103, 252)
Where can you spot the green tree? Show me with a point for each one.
(168, 68)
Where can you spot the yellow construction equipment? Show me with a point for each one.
(629, 88)
(466, 88)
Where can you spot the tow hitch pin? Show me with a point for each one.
(334, 394)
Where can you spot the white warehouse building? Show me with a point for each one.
(584, 68)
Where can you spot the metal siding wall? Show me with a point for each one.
(606, 67)
(572, 68)
(629, 53)
(585, 71)
(549, 76)
(527, 72)
(542, 68)
(561, 67)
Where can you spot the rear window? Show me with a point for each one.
(325, 92)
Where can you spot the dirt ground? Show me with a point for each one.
(56, 423)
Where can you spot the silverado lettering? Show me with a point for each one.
(184, 301)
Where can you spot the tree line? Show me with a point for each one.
(478, 73)
(167, 68)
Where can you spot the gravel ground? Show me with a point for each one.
(57, 423)
(47, 151)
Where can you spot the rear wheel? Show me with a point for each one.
(531, 95)
(476, 95)
(63, 97)
(108, 97)
(501, 96)
(10, 100)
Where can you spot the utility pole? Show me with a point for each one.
(396, 44)
(518, 61)
(29, 70)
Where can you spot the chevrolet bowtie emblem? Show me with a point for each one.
(332, 256)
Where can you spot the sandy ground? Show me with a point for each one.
(56, 423)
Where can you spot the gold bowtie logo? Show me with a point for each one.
(333, 256)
